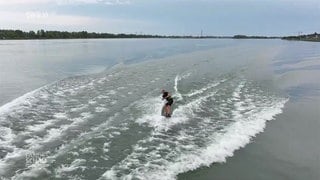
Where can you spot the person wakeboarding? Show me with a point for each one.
(169, 100)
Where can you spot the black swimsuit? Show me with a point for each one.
(168, 98)
(169, 101)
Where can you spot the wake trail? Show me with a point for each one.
(177, 93)
(198, 141)
(177, 79)
(204, 89)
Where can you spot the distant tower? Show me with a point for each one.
(300, 34)
(201, 33)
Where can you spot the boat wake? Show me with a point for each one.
(104, 126)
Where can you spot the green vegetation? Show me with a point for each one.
(41, 34)
(310, 37)
(253, 37)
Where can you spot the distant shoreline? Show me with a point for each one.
(315, 37)
(47, 35)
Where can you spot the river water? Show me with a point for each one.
(90, 109)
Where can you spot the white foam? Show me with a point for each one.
(106, 147)
(92, 102)
(56, 133)
(202, 90)
(100, 109)
(53, 134)
(102, 80)
(74, 153)
(177, 93)
(59, 93)
(87, 150)
(5, 163)
(112, 92)
(249, 118)
(176, 82)
(36, 143)
(65, 148)
(6, 134)
(222, 145)
(40, 127)
(60, 115)
(79, 108)
(16, 103)
(152, 112)
(86, 115)
(103, 97)
(121, 88)
(237, 135)
(152, 116)
(236, 93)
(113, 102)
(76, 164)
(39, 167)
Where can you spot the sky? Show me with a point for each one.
(165, 17)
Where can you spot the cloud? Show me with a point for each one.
(64, 2)
(43, 18)
(35, 20)
(106, 2)
(15, 2)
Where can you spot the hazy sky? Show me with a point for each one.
(170, 17)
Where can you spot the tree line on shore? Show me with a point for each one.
(42, 34)
(309, 37)
(254, 37)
